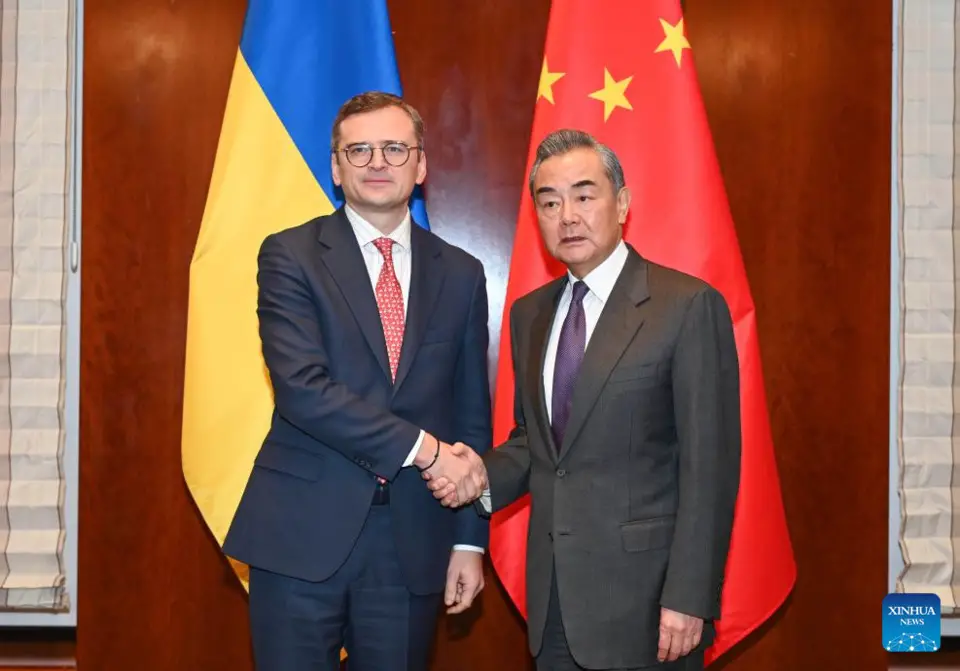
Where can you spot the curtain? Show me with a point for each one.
(35, 153)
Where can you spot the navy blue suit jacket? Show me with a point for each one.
(339, 421)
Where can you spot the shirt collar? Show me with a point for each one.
(366, 232)
(601, 279)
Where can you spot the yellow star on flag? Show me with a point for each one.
(674, 40)
(612, 94)
(547, 80)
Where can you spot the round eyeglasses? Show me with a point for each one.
(360, 154)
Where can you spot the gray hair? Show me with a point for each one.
(563, 141)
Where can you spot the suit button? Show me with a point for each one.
(561, 473)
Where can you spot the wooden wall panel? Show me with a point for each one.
(54, 647)
(471, 69)
(799, 102)
(154, 591)
(803, 136)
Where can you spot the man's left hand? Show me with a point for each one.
(679, 634)
(464, 580)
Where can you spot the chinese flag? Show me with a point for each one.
(623, 71)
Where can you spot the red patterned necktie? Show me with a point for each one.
(390, 304)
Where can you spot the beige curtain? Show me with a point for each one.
(34, 156)
(929, 271)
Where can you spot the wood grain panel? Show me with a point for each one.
(471, 69)
(800, 110)
(154, 589)
(33, 645)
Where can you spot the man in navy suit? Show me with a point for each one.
(374, 334)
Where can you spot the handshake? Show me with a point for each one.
(455, 474)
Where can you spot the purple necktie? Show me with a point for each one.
(573, 338)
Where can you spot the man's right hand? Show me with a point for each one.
(459, 472)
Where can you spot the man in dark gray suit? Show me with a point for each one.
(627, 434)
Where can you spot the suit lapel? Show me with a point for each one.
(426, 281)
(619, 322)
(539, 336)
(344, 260)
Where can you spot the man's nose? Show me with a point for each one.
(568, 214)
(377, 162)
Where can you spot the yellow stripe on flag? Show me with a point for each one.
(260, 185)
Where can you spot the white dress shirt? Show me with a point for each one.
(402, 257)
(599, 283)
(366, 233)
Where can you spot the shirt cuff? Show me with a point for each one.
(413, 452)
(471, 548)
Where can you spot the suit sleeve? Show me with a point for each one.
(473, 420)
(508, 466)
(299, 368)
(706, 398)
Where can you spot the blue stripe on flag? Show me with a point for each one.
(309, 57)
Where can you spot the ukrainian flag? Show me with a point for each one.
(298, 61)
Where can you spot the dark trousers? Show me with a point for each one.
(365, 607)
(555, 654)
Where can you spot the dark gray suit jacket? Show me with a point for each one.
(636, 511)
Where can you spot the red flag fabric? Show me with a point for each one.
(623, 71)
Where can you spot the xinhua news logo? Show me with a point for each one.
(911, 623)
